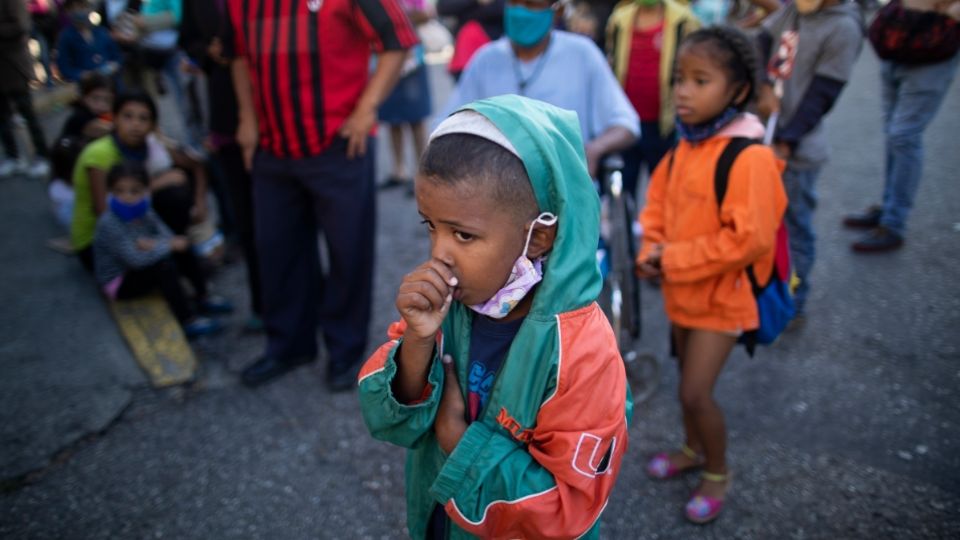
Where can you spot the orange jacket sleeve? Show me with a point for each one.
(751, 212)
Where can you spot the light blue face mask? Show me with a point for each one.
(526, 27)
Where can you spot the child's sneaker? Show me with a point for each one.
(202, 326)
(216, 305)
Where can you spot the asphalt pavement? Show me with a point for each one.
(846, 428)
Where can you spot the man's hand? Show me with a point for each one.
(782, 150)
(357, 128)
(179, 244)
(424, 298)
(146, 244)
(767, 101)
(215, 52)
(451, 416)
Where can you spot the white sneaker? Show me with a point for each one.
(10, 167)
(40, 168)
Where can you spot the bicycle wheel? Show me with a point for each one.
(643, 370)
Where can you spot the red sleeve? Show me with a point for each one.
(386, 25)
(231, 35)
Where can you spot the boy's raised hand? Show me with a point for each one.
(424, 298)
(451, 416)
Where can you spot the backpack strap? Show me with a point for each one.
(721, 180)
(721, 176)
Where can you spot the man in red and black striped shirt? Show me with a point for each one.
(307, 107)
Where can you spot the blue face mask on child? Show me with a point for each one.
(526, 27)
(128, 212)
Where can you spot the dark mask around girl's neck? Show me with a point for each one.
(699, 132)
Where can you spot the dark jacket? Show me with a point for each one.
(16, 65)
(202, 22)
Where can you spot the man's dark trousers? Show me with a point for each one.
(296, 199)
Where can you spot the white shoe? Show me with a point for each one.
(40, 168)
(10, 167)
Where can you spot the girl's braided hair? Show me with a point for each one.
(736, 53)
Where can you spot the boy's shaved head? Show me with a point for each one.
(481, 166)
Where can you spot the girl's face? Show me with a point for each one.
(701, 88)
(128, 190)
(133, 123)
(99, 101)
(475, 237)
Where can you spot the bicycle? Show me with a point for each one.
(620, 295)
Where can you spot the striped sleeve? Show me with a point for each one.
(386, 25)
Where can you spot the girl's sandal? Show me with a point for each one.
(703, 509)
(660, 467)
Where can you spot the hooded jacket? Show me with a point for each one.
(706, 248)
(542, 456)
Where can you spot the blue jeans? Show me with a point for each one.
(800, 185)
(911, 97)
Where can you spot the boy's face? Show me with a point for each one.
(470, 233)
(133, 123)
(128, 191)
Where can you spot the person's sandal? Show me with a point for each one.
(660, 467)
(702, 509)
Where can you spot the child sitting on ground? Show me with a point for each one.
(134, 250)
(503, 376)
(91, 117)
(702, 251)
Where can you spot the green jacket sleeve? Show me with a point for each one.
(386, 418)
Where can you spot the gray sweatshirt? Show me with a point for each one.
(115, 244)
(829, 43)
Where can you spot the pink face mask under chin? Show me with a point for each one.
(523, 277)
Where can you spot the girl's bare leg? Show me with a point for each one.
(692, 438)
(704, 355)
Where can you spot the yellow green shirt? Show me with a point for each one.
(100, 154)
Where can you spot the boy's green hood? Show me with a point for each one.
(548, 141)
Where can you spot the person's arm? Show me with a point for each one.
(392, 36)
(816, 103)
(98, 189)
(838, 55)
(552, 479)
(248, 133)
(611, 112)
(199, 172)
(117, 239)
(356, 128)
(390, 416)
(751, 213)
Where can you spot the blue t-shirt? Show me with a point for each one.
(571, 74)
(489, 342)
